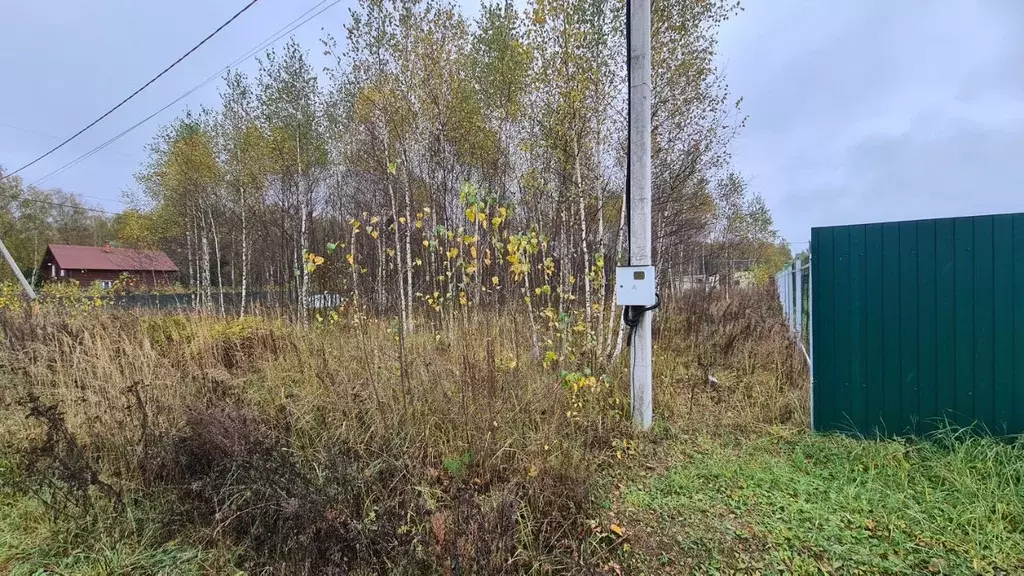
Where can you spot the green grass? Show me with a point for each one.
(32, 543)
(799, 503)
(103, 542)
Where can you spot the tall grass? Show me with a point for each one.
(728, 364)
(346, 447)
(331, 448)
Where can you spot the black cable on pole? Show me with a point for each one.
(136, 93)
(631, 316)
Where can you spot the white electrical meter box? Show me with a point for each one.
(635, 286)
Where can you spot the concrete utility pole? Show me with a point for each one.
(17, 271)
(640, 199)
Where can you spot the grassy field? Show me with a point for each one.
(790, 502)
(199, 445)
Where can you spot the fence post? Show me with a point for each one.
(798, 317)
(810, 328)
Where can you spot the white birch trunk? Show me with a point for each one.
(613, 308)
(303, 238)
(563, 269)
(304, 247)
(354, 266)
(191, 265)
(245, 256)
(408, 246)
(207, 296)
(398, 256)
(216, 252)
(398, 244)
(584, 251)
(602, 282)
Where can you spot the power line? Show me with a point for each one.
(63, 205)
(50, 136)
(273, 38)
(134, 94)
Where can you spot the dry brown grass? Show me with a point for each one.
(343, 448)
(763, 377)
(333, 448)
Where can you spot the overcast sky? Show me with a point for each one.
(859, 110)
(872, 110)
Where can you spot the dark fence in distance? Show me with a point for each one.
(183, 302)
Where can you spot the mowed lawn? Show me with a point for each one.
(791, 502)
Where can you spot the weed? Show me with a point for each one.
(56, 469)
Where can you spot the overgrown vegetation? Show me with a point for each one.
(131, 444)
(332, 449)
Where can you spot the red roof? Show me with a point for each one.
(103, 258)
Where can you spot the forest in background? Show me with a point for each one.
(439, 163)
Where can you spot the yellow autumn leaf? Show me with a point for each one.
(472, 251)
(426, 244)
(375, 234)
(350, 258)
(617, 529)
(494, 280)
(419, 223)
(532, 471)
(375, 219)
(402, 220)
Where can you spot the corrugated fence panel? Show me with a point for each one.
(918, 323)
(927, 295)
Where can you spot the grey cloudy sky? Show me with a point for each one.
(873, 110)
(66, 62)
(859, 110)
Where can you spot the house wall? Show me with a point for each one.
(87, 277)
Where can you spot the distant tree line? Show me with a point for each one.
(439, 160)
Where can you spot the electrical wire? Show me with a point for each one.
(63, 205)
(49, 136)
(632, 315)
(136, 93)
(272, 39)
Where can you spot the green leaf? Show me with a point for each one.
(331, 247)
(392, 167)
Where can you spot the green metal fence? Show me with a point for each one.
(916, 323)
